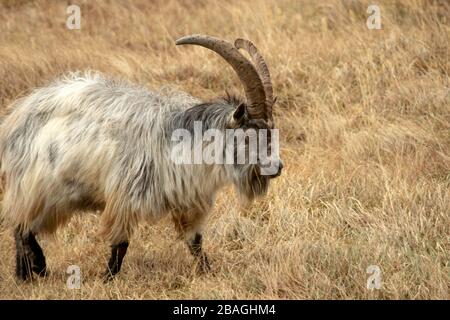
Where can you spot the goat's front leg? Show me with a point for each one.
(189, 225)
(195, 247)
(118, 252)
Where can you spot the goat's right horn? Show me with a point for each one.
(253, 86)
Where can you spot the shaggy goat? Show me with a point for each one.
(88, 142)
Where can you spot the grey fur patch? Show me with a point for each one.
(52, 153)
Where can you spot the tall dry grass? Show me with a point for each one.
(364, 118)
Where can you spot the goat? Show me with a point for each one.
(87, 142)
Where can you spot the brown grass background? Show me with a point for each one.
(364, 119)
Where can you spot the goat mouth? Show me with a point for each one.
(276, 175)
(253, 185)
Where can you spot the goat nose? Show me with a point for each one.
(280, 167)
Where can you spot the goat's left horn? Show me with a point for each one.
(261, 67)
(250, 79)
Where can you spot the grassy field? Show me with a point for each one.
(364, 117)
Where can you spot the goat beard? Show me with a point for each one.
(251, 184)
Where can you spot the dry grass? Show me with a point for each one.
(364, 118)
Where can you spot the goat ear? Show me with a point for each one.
(240, 112)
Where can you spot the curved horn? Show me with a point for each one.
(253, 86)
(261, 67)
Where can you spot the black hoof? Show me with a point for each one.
(39, 265)
(41, 272)
(203, 265)
(108, 276)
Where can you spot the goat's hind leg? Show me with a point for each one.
(29, 256)
(23, 263)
